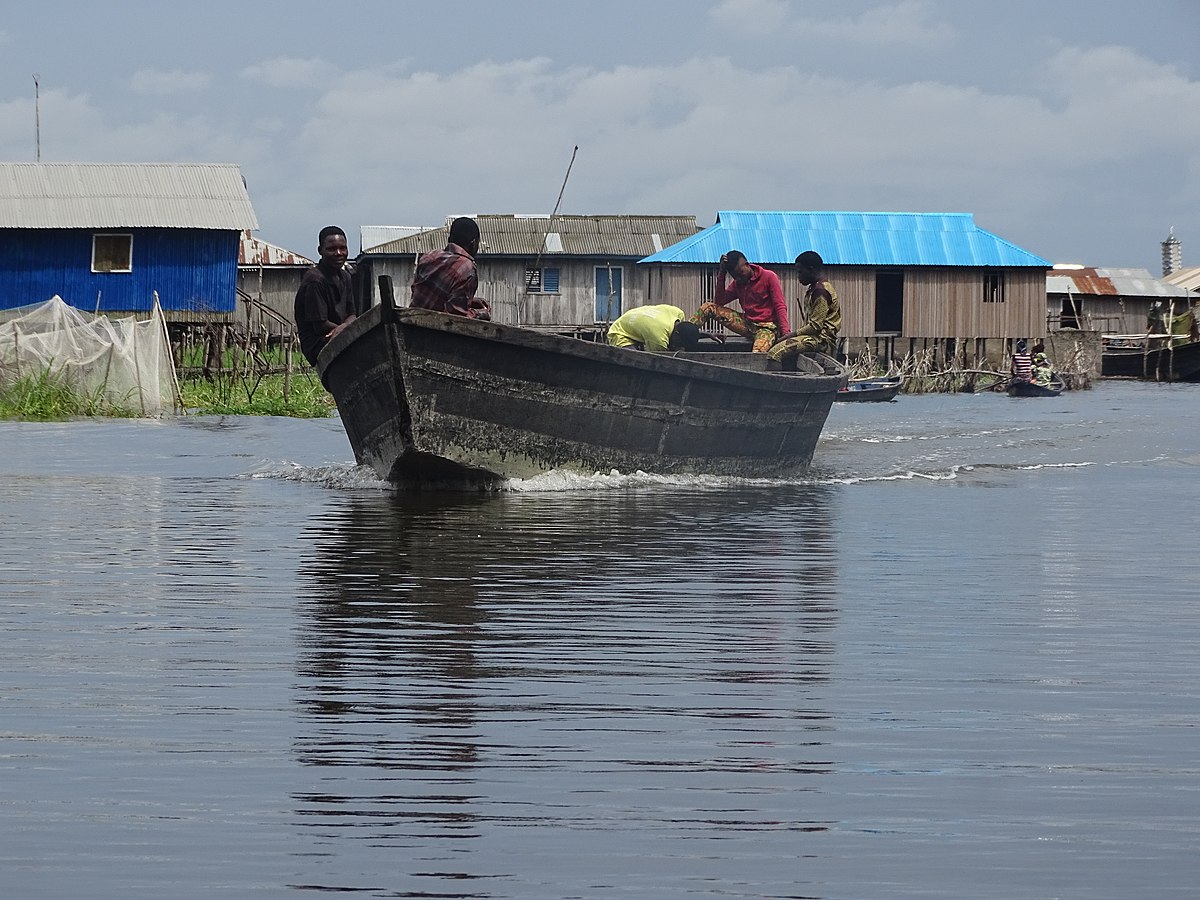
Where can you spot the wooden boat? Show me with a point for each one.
(870, 390)
(1149, 357)
(433, 399)
(1029, 389)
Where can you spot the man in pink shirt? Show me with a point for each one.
(764, 311)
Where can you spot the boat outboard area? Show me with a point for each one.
(436, 400)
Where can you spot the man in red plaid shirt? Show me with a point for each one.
(446, 280)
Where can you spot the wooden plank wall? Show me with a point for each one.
(938, 303)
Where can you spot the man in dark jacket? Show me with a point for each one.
(325, 300)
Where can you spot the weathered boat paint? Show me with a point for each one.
(433, 399)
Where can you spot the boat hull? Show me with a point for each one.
(876, 390)
(1029, 389)
(1181, 363)
(431, 399)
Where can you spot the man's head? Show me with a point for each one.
(808, 266)
(464, 231)
(737, 266)
(684, 336)
(331, 246)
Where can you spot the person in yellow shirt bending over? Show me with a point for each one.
(654, 328)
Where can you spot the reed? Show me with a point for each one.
(48, 397)
(298, 395)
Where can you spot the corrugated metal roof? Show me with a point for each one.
(255, 252)
(1185, 278)
(124, 195)
(851, 239)
(1111, 283)
(511, 235)
(371, 236)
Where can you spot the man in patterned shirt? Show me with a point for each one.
(822, 312)
(446, 280)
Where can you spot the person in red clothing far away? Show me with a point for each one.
(764, 311)
(446, 280)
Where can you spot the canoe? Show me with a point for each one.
(1137, 356)
(429, 399)
(870, 390)
(1029, 389)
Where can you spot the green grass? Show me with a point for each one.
(48, 398)
(230, 395)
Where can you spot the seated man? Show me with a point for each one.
(823, 313)
(654, 328)
(324, 302)
(764, 311)
(446, 280)
(1043, 373)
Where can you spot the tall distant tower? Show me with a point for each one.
(1172, 254)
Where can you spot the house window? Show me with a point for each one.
(541, 281)
(993, 287)
(112, 253)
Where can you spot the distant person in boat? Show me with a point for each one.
(1043, 373)
(446, 280)
(822, 312)
(325, 300)
(764, 310)
(654, 328)
(1022, 363)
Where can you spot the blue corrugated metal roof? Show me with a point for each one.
(851, 239)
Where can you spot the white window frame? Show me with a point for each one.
(112, 234)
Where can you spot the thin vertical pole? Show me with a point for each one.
(37, 118)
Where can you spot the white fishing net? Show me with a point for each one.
(122, 364)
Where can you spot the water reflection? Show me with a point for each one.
(619, 662)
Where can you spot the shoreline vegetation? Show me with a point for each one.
(273, 387)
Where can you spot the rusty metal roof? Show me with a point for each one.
(1110, 283)
(255, 252)
(124, 195)
(516, 235)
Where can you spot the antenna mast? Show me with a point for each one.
(37, 118)
(549, 225)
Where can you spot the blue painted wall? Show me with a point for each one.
(192, 269)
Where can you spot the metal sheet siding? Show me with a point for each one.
(124, 195)
(192, 270)
(850, 238)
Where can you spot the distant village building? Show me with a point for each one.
(268, 278)
(108, 236)
(1109, 301)
(372, 236)
(1187, 278)
(906, 281)
(566, 272)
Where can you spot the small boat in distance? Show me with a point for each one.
(429, 399)
(882, 389)
(1031, 389)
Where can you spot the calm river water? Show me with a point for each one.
(958, 660)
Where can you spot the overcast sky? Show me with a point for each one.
(1069, 127)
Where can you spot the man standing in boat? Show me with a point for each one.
(325, 300)
(662, 327)
(446, 280)
(764, 310)
(822, 312)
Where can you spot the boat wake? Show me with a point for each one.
(345, 476)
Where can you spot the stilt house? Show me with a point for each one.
(906, 281)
